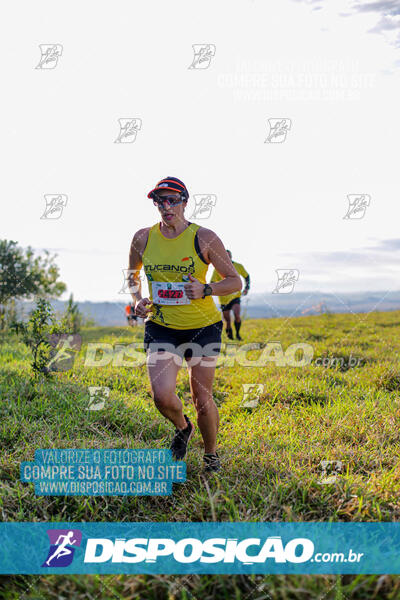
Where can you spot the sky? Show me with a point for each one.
(323, 76)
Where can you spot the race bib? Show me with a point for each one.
(168, 292)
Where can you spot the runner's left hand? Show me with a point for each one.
(194, 289)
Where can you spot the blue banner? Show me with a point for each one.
(246, 547)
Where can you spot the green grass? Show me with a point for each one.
(271, 454)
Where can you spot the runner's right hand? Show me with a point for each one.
(141, 309)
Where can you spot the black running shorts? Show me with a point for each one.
(230, 304)
(203, 341)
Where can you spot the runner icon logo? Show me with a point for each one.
(204, 203)
(55, 203)
(286, 280)
(203, 54)
(357, 206)
(50, 53)
(98, 396)
(128, 129)
(131, 283)
(278, 129)
(331, 469)
(62, 547)
(63, 351)
(251, 394)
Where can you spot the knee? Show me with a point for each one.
(162, 397)
(204, 404)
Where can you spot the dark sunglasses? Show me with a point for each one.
(172, 200)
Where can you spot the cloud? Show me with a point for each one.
(389, 18)
(387, 11)
(386, 246)
(385, 255)
(311, 1)
(387, 7)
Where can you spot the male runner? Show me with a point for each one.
(182, 320)
(232, 301)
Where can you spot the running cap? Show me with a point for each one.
(170, 183)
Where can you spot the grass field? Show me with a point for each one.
(271, 454)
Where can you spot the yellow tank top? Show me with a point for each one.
(168, 261)
(217, 277)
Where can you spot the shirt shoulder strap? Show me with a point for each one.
(196, 242)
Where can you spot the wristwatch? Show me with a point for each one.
(207, 290)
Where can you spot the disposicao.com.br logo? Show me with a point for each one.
(211, 550)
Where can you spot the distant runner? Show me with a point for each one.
(232, 301)
(182, 320)
(130, 314)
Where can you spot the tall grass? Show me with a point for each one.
(271, 454)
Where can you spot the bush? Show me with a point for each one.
(73, 316)
(36, 334)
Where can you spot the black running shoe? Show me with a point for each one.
(238, 337)
(181, 440)
(212, 462)
(229, 334)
